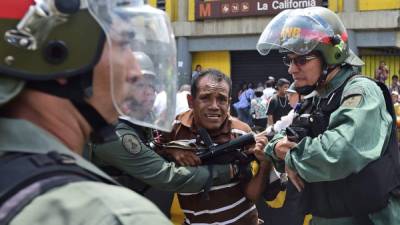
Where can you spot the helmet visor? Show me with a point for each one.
(141, 89)
(294, 31)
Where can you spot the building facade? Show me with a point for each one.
(207, 36)
(222, 34)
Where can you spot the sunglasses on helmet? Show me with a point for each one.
(299, 60)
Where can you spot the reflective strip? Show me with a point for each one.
(213, 211)
(224, 222)
(176, 122)
(213, 188)
(237, 131)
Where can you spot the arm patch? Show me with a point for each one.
(353, 97)
(352, 101)
(131, 143)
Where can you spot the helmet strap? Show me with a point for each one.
(305, 90)
(324, 74)
(77, 87)
(101, 130)
(76, 90)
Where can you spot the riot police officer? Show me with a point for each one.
(66, 73)
(128, 155)
(341, 151)
(130, 158)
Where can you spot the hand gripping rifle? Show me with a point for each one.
(230, 152)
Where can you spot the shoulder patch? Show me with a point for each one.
(353, 91)
(131, 143)
(352, 101)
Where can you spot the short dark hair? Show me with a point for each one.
(282, 82)
(258, 94)
(214, 74)
(395, 76)
(270, 83)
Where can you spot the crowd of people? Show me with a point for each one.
(82, 139)
(263, 106)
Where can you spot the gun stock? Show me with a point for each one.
(227, 148)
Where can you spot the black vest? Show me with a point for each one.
(360, 193)
(25, 176)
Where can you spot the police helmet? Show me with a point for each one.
(48, 39)
(145, 63)
(311, 29)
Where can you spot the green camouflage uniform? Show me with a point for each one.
(85, 202)
(358, 131)
(144, 164)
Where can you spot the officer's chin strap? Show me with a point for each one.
(101, 130)
(76, 90)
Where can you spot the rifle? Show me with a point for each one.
(231, 151)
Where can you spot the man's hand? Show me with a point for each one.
(258, 150)
(282, 147)
(295, 178)
(183, 157)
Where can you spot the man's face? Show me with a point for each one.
(125, 68)
(307, 74)
(143, 95)
(282, 89)
(395, 98)
(211, 104)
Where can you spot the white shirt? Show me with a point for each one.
(281, 124)
(160, 103)
(268, 93)
(181, 102)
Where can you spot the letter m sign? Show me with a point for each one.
(204, 10)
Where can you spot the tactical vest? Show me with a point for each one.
(354, 196)
(23, 177)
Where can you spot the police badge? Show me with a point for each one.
(131, 143)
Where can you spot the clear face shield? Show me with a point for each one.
(295, 31)
(135, 31)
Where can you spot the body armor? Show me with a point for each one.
(353, 196)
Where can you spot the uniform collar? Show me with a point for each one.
(24, 137)
(336, 82)
(187, 120)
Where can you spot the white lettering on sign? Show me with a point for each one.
(262, 6)
(290, 4)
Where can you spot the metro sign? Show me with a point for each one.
(212, 9)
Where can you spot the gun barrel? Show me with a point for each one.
(230, 146)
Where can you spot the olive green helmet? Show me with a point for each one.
(311, 29)
(43, 40)
(145, 63)
(49, 39)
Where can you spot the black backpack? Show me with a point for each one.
(25, 176)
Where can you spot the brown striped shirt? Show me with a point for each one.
(227, 203)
